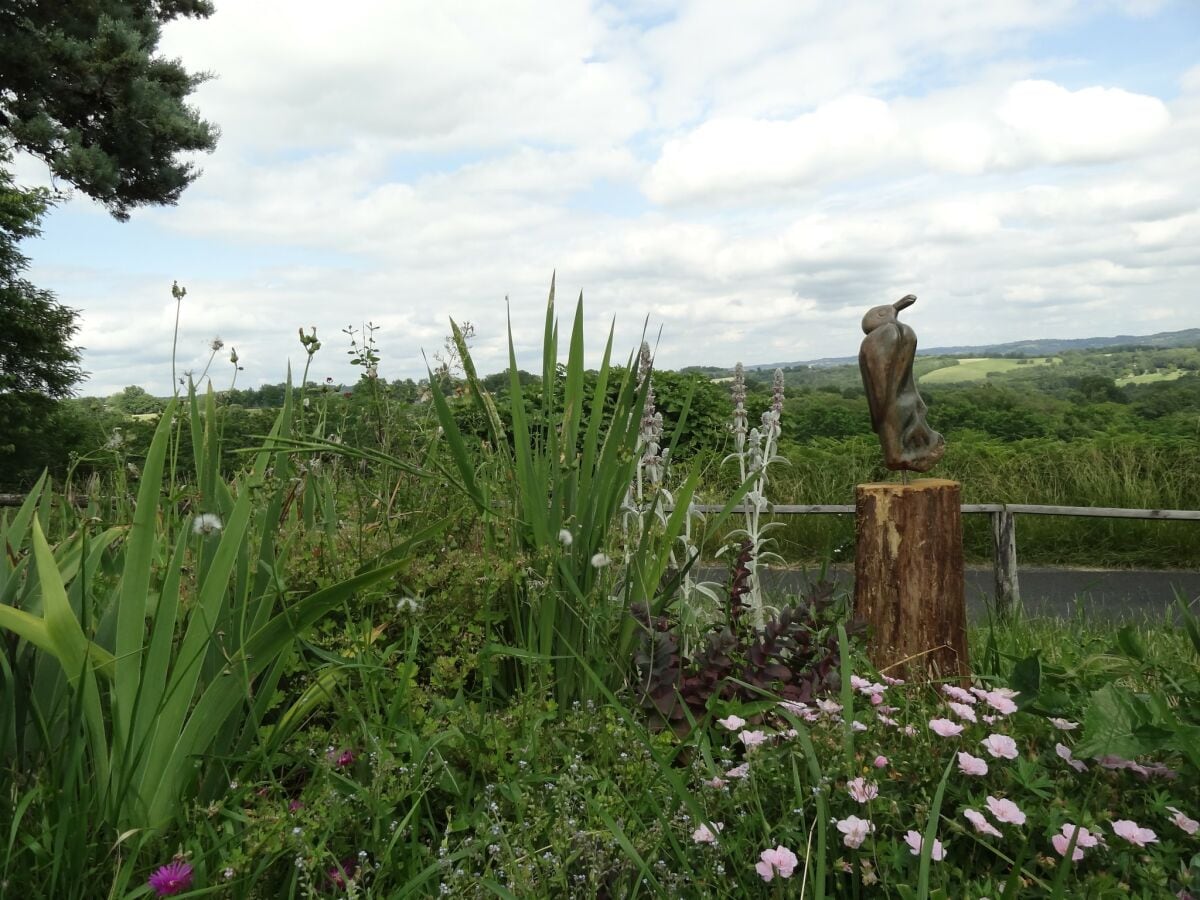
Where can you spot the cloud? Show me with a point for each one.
(1050, 124)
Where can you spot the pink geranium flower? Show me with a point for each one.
(752, 739)
(1005, 811)
(957, 693)
(739, 771)
(862, 790)
(855, 831)
(882, 761)
(892, 681)
(1084, 839)
(733, 723)
(716, 782)
(971, 765)
(962, 710)
(1180, 820)
(829, 707)
(1001, 702)
(916, 842)
(1063, 724)
(1064, 753)
(1000, 746)
(708, 835)
(172, 878)
(781, 861)
(945, 727)
(1134, 833)
(982, 825)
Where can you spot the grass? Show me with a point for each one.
(979, 368)
(1147, 377)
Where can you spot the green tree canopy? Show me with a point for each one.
(81, 88)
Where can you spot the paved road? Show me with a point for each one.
(1097, 593)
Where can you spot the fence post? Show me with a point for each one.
(1004, 554)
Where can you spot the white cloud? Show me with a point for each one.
(1050, 124)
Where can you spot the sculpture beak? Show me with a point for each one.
(904, 302)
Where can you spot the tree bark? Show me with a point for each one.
(908, 577)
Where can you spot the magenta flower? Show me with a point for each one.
(1134, 833)
(172, 878)
(1000, 746)
(862, 790)
(707, 835)
(1005, 811)
(1180, 820)
(733, 723)
(855, 831)
(340, 758)
(882, 761)
(916, 842)
(971, 765)
(781, 861)
(982, 825)
(945, 727)
(346, 869)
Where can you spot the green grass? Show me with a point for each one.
(1148, 377)
(979, 368)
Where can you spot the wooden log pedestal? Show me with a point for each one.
(908, 577)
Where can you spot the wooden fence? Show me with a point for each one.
(1004, 531)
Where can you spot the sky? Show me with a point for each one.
(741, 181)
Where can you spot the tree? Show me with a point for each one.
(81, 89)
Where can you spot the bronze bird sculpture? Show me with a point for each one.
(897, 410)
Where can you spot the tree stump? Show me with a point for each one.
(908, 577)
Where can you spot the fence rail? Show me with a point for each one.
(1004, 531)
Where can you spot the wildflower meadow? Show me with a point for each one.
(461, 648)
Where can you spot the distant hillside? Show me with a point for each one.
(1189, 337)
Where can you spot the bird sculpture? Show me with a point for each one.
(897, 410)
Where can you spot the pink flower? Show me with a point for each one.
(858, 683)
(957, 693)
(971, 765)
(739, 771)
(916, 842)
(1086, 839)
(795, 707)
(1179, 819)
(1134, 833)
(855, 831)
(781, 861)
(1000, 746)
(862, 790)
(346, 868)
(892, 681)
(1001, 701)
(1063, 724)
(706, 835)
(876, 699)
(962, 711)
(716, 782)
(910, 730)
(172, 878)
(982, 825)
(1005, 811)
(340, 758)
(752, 739)
(829, 707)
(857, 726)
(888, 720)
(733, 723)
(1064, 753)
(882, 761)
(945, 727)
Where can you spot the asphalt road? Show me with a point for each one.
(1096, 593)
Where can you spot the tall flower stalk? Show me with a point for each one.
(755, 452)
(649, 474)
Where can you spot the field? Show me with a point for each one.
(402, 661)
(979, 368)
